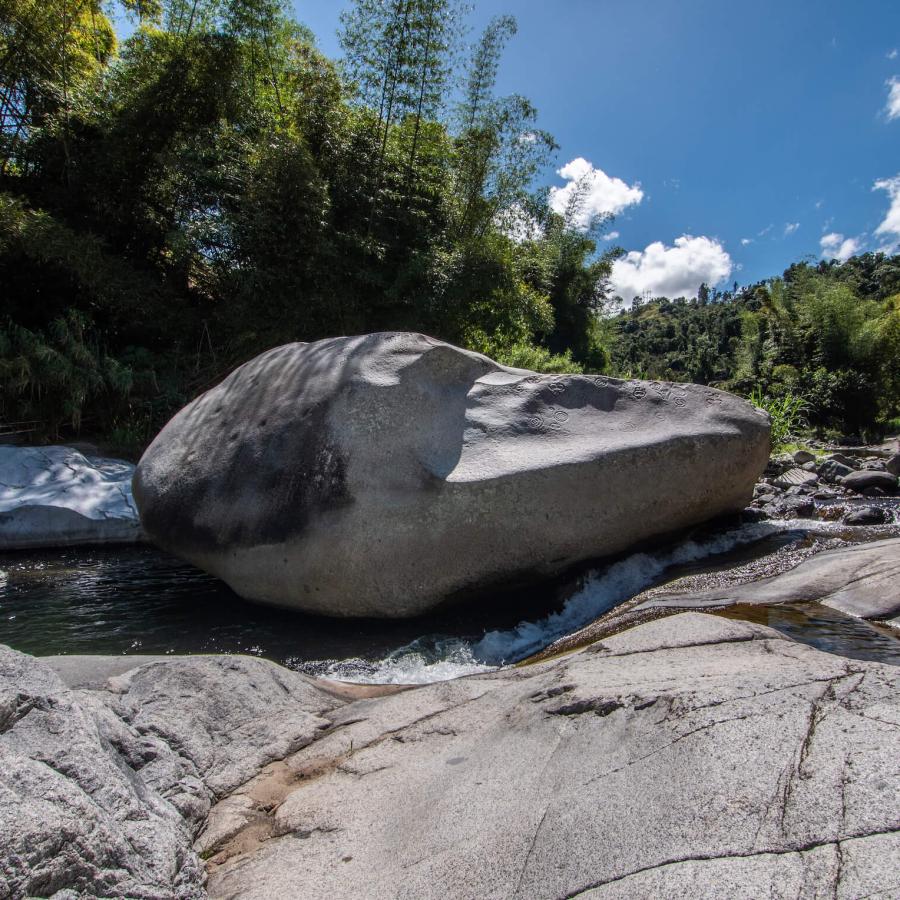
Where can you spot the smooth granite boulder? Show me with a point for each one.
(387, 474)
(58, 497)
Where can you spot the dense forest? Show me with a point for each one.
(173, 203)
(826, 334)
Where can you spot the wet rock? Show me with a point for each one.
(58, 497)
(861, 580)
(849, 461)
(796, 507)
(866, 515)
(892, 465)
(833, 471)
(387, 474)
(865, 479)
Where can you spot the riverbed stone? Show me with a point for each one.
(892, 465)
(796, 477)
(60, 497)
(866, 515)
(861, 580)
(833, 471)
(869, 479)
(389, 474)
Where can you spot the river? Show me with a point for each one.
(139, 600)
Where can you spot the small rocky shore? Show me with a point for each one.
(831, 484)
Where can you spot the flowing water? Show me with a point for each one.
(139, 600)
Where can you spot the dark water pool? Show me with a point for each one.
(140, 600)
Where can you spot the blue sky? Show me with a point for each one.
(732, 137)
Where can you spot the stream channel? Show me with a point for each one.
(138, 600)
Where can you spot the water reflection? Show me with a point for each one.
(140, 600)
(824, 628)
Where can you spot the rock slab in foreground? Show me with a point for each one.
(102, 790)
(383, 475)
(58, 497)
(689, 757)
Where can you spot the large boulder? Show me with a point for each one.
(59, 497)
(386, 474)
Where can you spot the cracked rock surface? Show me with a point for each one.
(56, 496)
(103, 786)
(692, 756)
(688, 757)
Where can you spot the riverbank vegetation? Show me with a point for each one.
(173, 203)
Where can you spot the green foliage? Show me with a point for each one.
(537, 359)
(215, 186)
(49, 376)
(787, 414)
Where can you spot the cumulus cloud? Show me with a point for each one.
(676, 271)
(889, 229)
(836, 246)
(591, 192)
(790, 228)
(892, 109)
(611, 236)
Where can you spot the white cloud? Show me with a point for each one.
(890, 227)
(765, 230)
(591, 192)
(790, 228)
(836, 246)
(745, 241)
(675, 271)
(892, 109)
(891, 54)
(611, 236)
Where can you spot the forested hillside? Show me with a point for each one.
(826, 334)
(174, 203)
